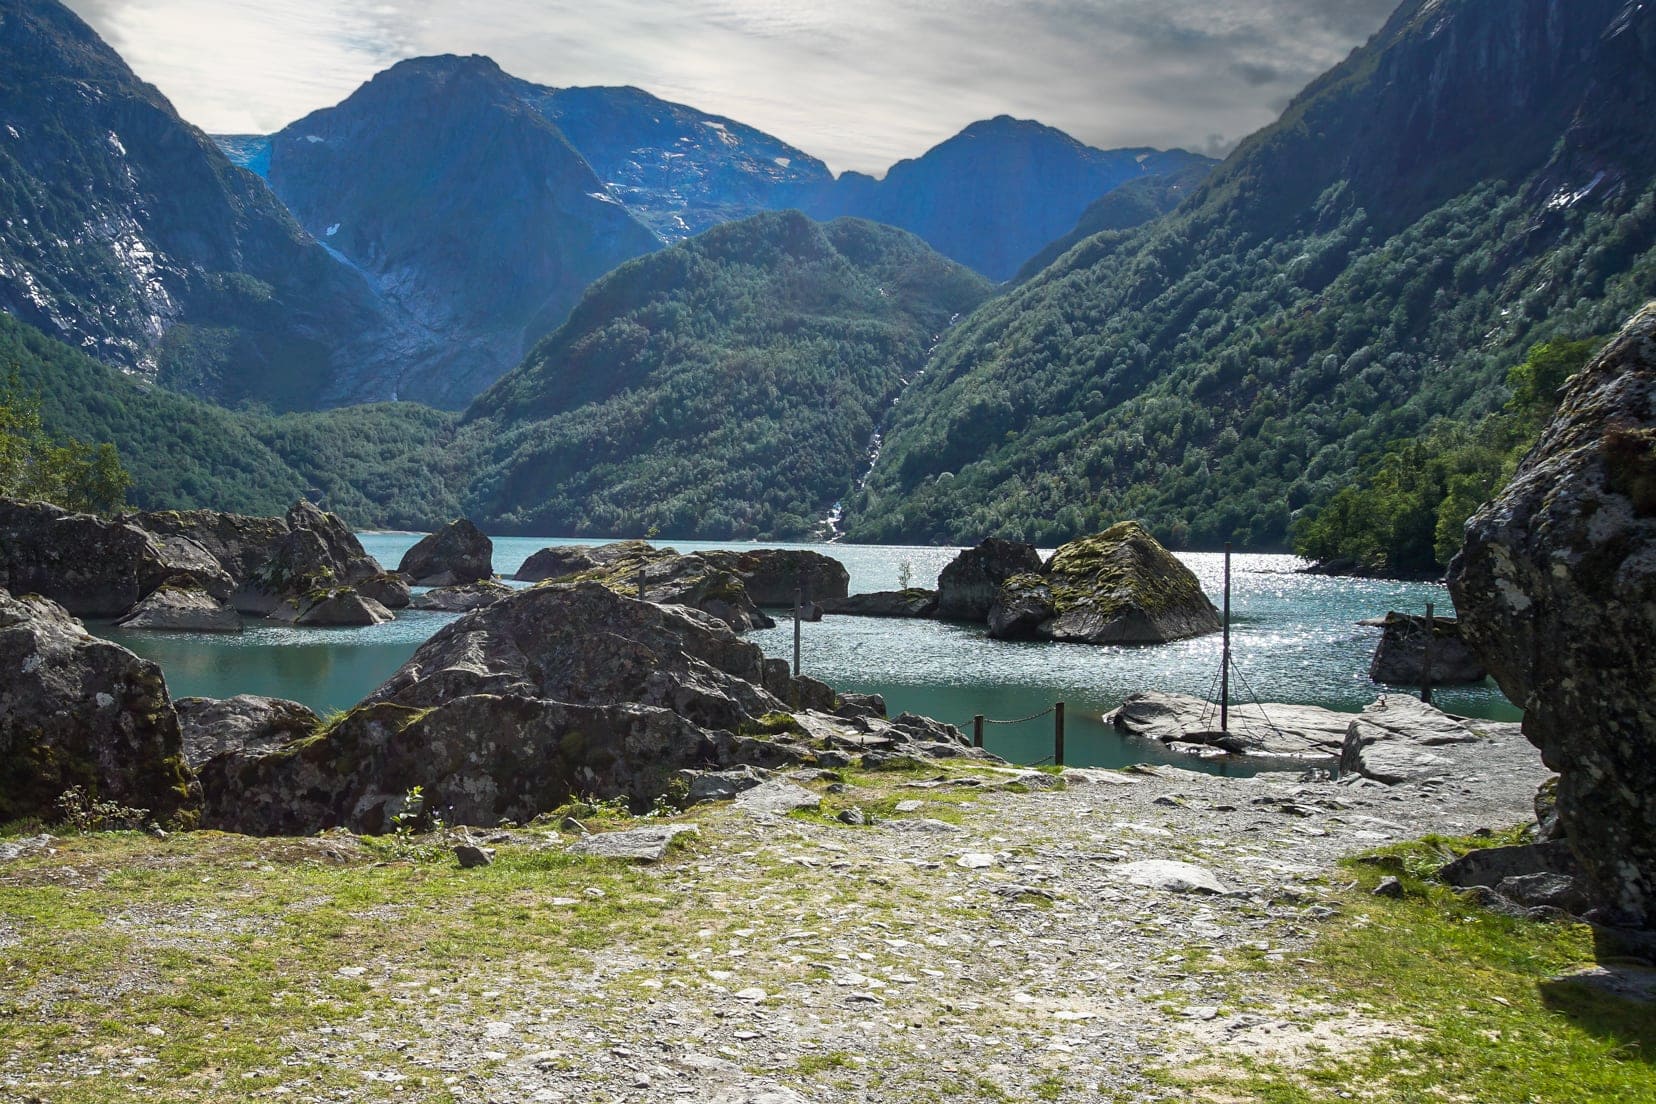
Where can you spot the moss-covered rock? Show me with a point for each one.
(667, 578)
(79, 711)
(1116, 587)
(457, 553)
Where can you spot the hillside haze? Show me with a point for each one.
(1477, 178)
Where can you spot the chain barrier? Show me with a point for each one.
(1047, 712)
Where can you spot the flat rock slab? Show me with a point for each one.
(1388, 742)
(776, 798)
(1634, 983)
(1291, 736)
(636, 844)
(1173, 877)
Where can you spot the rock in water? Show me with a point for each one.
(966, 589)
(92, 567)
(911, 603)
(182, 609)
(457, 553)
(1556, 590)
(566, 561)
(1400, 657)
(773, 575)
(701, 581)
(79, 711)
(462, 598)
(334, 607)
(1118, 587)
(388, 589)
(213, 726)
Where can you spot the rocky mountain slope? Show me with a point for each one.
(996, 193)
(729, 386)
(463, 206)
(1475, 179)
(128, 234)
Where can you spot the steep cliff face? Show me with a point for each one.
(679, 170)
(995, 193)
(1477, 178)
(463, 205)
(125, 232)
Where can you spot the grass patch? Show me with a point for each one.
(1475, 996)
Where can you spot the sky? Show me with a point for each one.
(857, 83)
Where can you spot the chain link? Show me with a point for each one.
(1048, 711)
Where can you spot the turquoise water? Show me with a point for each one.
(1294, 637)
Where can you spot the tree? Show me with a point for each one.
(74, 475)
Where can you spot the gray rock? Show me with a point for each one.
(1556, 591)
(90, 566)
(457, 553)
(388, 589)
(699, 581)
(240, 544)
(1116, 587)
(1400, 657)
(462, 598)
(1490, 866)
(176, 609)
(1173, 877)
(967, 587)
(704, 786)
(189, 565)
(564, 562)
(773, 575)
(635, 844)
(777, 797)
(1389, 887)
(1388, 741)
(1273, 735)
(337, 607)
(471, 856)
(912, 603)
(78, 711)
(853, 816)
(214, 726)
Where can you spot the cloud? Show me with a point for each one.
(859, 83)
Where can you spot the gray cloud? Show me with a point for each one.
(859, 83)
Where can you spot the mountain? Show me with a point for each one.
(678, 170)
(1477, 178)
(126, 233)
(729, 386)
(995, 193)
(1133, 204)
(463, 205)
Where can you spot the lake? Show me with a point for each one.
(1294, 638)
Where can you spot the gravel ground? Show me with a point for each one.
(1008, 955)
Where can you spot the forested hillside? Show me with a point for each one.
(1475, 180)
(729, 386)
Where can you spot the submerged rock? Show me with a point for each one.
(214, 726)
(457, 553)
(182, 609)
(462, 598)
(554, 691)
(966, 589)
(79, 711)
(1118, 587)
(912, 603)
(1556, 590)
(1400, 657)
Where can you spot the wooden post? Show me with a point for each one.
(799, 600)
(1426, 657)
(1224, 655)
(1058, 734)
(643, 569)
(977, 731)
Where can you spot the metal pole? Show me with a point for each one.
(799, 600)
(1058, 734)
(1224, 658)
(642, 570)
(977, 731)
(1426, 657)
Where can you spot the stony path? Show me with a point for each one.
(995, 949)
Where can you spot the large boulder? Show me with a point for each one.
(1400, 657)
(1392, 741)
(773, 576)
(331, 607)
(966, 589)
(388, 589)
(554, 691)
(463, 598)
(270, 559)
(174, 608)
(215, 726)
(90, 566)
(701, 581)
(1117, 587)
(563, 562)
(76, 711)
(1556, 590)
(459, 552)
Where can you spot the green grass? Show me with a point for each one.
(1480, 1011)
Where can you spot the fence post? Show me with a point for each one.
(799, 600)
(1058, 734)
(1426, 657)
(642, 570)
(977, 731)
